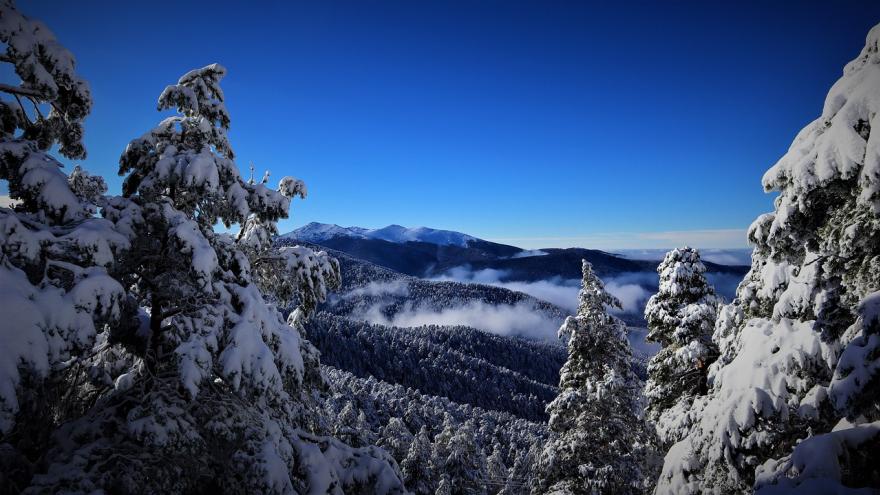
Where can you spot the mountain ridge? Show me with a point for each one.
(317, 232)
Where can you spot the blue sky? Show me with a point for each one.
(618, 125)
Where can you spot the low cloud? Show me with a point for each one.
(530, 253)
(708, 238)
(741, 257)
(520, 320)
(558, 291)
(632, 288)
(378, 289)
(562, 293)
(464, 273)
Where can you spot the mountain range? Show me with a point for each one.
(468, 320)
(425, 252)
(317, 232)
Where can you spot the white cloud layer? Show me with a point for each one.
(628, 287)
(530, 253)
(523, 320)
(502, 319)
(378, 288)
(708, 238)
(736, 256)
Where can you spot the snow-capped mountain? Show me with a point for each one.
(318, 232)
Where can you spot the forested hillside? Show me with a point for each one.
(434, 440)
(462, 364)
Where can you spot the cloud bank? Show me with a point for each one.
(707, 238)
(632, 288)
(529, 253)
(739, 256)
(378, 289)
(502, 319)
(562, 293)
(509, 320)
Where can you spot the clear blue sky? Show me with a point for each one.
(537, 123)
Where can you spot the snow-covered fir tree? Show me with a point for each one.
(599, 440)
(351, 426)
(523, 472)
(395, 438)
(793, 402)
(416, 466)
(445, 486)
(142, 350)
(681, 317)
(463, 462)
(497, 472)
(56, 296)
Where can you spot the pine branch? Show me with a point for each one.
(15, 90)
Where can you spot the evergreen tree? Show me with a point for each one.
(207, 386)
(56, 296)
(681, 317)
(793, 403)
(497, 473)
(496, 469)
(347, 427)
(396, 438)
(524, 471)
(464, 462)
(417, 466)
(445, 487)
(598, 437)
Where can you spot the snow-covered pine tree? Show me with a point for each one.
(55, 293)
(445, 487)
(396, 438)
(213, 389)
(524, 471)
(496, 470)
(465, 462)
(793, 402)
(681, 317)
(599, 439)
(417, 466)
(351, 426)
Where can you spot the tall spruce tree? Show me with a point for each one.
(599, 439)
(793, 404)
(417, 466)
(206, 387)
(681, 317)
(464, 462)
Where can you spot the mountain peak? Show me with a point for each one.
(317, 232)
